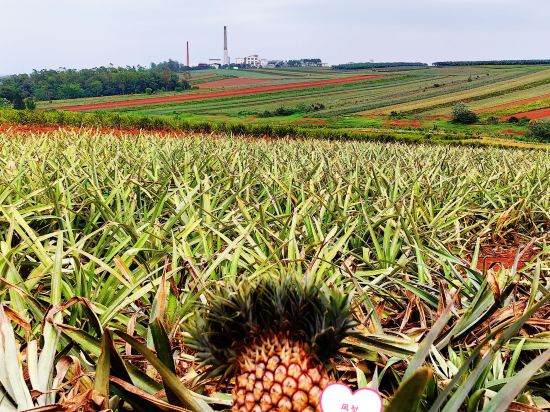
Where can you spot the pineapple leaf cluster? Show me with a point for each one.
(235, 318)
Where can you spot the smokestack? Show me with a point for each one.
(225, 51)
(224, 38)
(188, 65)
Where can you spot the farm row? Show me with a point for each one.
(379, 130)
(220, 94)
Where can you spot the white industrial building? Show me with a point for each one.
(215, 63)
(253, 61)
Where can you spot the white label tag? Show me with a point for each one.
(339, 398)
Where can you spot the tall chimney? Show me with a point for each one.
(225, 51)
(188, 65)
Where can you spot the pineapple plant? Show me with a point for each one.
(272, 341)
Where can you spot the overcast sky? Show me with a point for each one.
(87, 33)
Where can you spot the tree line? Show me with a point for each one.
(362, 66)
(491, 63)
(304, 63)
(99, 81)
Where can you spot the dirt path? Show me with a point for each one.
(403, 123)
(212, 95)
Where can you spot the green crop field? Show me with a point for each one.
(114, 244)
(509, 83)
(419, 98)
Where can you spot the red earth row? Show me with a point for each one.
(213, 95)
(118, 131)
(532, 115)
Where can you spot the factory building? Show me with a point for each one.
(253, 61)
(215, 63)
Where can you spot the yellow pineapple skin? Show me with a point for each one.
(276, 373)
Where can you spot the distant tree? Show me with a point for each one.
(172, 65)
(395, 115)
(30, 104)
(540, 131)
(43, 92)
(184, 84)
(70, 91)
(94, 88)
(522, 121)
(462, 114)
(13, 94)
(18, 103)
(5, 103)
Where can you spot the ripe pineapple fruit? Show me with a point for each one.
(275, 340)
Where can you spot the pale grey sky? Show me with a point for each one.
(87, 33)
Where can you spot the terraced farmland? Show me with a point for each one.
(221, 94)
(404, 99)
(501, 86)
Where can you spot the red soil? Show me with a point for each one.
(512, 131)
(533, 115)
(48, 130)
(499, 256)
(211, 95)
(403, 123)
(514, 103)
(19, 128)
(43, 129)
(232, 82)
(437, 117)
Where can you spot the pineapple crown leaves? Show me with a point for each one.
(235, 317)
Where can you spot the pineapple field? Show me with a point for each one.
(206, 272)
